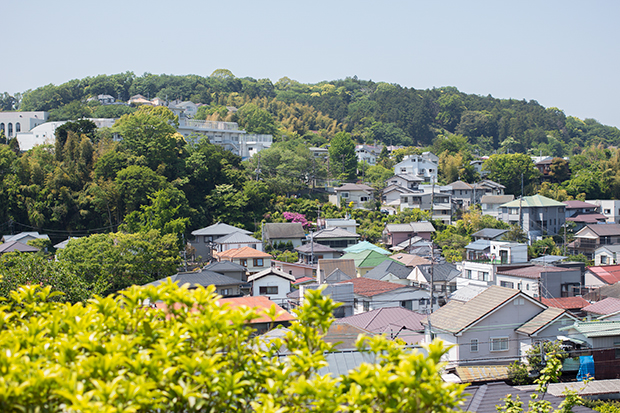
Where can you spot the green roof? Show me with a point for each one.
(365, 245)
(366, 259)
(595, 328)
(533, 202)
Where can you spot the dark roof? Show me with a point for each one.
(354, 187)
(390, 321)
(421, 226)
(389, 267)
(225, 266)
(368, 287)
(604, 230)
(334, 232)
(202, 278)
(13, 246)
(283, 230)
(237, 238)
(313, 246)
(484, 398)
(591, 218)
(489, 233)
(441, 272)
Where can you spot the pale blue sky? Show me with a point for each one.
(560, 53)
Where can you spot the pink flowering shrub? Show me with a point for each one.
(296, 217)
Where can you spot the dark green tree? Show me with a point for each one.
(342, 158)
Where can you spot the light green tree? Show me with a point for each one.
(342, 159)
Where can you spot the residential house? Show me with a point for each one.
(582, 214)
(272, 283)
(63, 244)
(24, 237)
(224, 285)
(606, 255)
(390, 322)
(572, 304)
(236, 240)
(601, 338)
(593, 236)
(232, 270)
(391, 195)
(602, 276)
(438, 203)
(490, 204)
(328, 267)
(341, 293)
(608, 207)
(253, 260)
(462, 194)
(319, 152)
(352, 195)
(488, 187)
(544, 167)
(540, 281)
(347, 224)
(365, 245)
(479, 250)
(203, 242)
(394, 234)
(368, 153)
(480, 266)
(263, 308)
(410, 260)
(279, 233)
(498, 324)
(491, 234)
(417, 246)
(103, 99)
(539, 215)
(404, 180)
(372, 294)
(16, 246)
(344, 336)
(298, 270)
(417, 165)
(312, 252)
(335, 238)
(391, 271)
(605, 307)
(442, 275)
(365, 260)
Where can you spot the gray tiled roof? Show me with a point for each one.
(541, 320)
(388, 267)
(411, 227)
(219, 229)
(489, 233)
(283, 230)
(334, 233)
(443, 272)
(202, 278)
(237, 238)
(224, 266)
(314, 247)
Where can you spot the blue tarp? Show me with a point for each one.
(586, 368)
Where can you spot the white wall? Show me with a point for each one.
(283, 285)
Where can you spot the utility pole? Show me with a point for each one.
(258, 167)
(521, 205)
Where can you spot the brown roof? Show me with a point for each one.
(457, 316)
(369, 287)
(607, 306)
(13, 246)
(533, 271)
(541, 320)
(283, 230)
(410, 260)
(243, 252)
(261, 304)
(344, 336)
(567, 303)
(328, 266)
(603, 230)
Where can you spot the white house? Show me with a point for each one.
(272, 283)
(13, 123)
(606, 255)
(357, 194)
(608, 207)
(419, 166)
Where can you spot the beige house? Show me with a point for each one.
(253, 260)
(355, 195)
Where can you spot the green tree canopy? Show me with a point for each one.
(507, 169)
(342, 158)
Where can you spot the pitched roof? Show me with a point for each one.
(410, 260)
(243, 252)
(271, 271)
(333, 232)
(370, 288)
(595, 328)
(567, 303)
(225, 266)
(578, 205)
(354, 187)
(63, 244)
(16, 246)
(328, 266)
(496, 199)
(365, 245)
(479, 245)
(602, 230)
(261, 304)
(473, 374)
(219, 229)
(396, 268)
(237, 238)
(444, 271)
(278, 230)
(533, 271)
(365, 259)
(541, 320)
(609, 274)
(460, 185)
(21, 235)
(489, 233)
(422, 226)
(408, 177)
(202, 278)
(314, 247)
(591, 218)
(377, 320)
(534, 201)
(344, 336)
(606, 306)
(457, 316)
(337, 276)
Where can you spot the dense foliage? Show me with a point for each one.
(116, 355)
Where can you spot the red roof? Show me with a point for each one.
(304, 280)
(578, 204)
(369, 287)
(261, 304)
(243, 252)
(567, 303)
(607, 306)
(609, 274)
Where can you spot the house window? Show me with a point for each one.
(258, 262)
(363, 199)
(268, 290)
(606, 211)
(345, 194)
(18, 127)
(10, 134)
(513, 211)
(499, 344)
(366, 305)
(519, 301)
(473, 345)
(403, 170)
(603, 259)
(407, 304)
(483, 276)
(2, 126)
(225, 291)
(468, 274)
(507, 284)
(243, 262)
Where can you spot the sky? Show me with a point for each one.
(562, 54)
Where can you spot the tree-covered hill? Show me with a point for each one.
(370, 111)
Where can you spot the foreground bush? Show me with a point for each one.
(115, 355)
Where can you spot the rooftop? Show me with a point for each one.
(579, 205)
(541, 320)
(369, 288)
(328, 266)
(606, 306)
(366, 259)
(219, 229)
(489, 233)
(16, 246)
(262, 305)
(333, 232)
(314, 247)
(271, 271)
(277, 230)
(567, 303)
(410, 260)
(602, 229)
(243, 252)
(609, 274)
(533, 271)
(365, 245)
(595, 328)
(388, 320)
(396, 268)
(534, 201)
(354, 187)
(422, 226)
(496, 199)
(202, 278)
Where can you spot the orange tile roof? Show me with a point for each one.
(261, 304)
(369, 287)
(243, 252)
(567, 303)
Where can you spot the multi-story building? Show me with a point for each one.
(539, 215)
(418, 165)
(12, 123)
